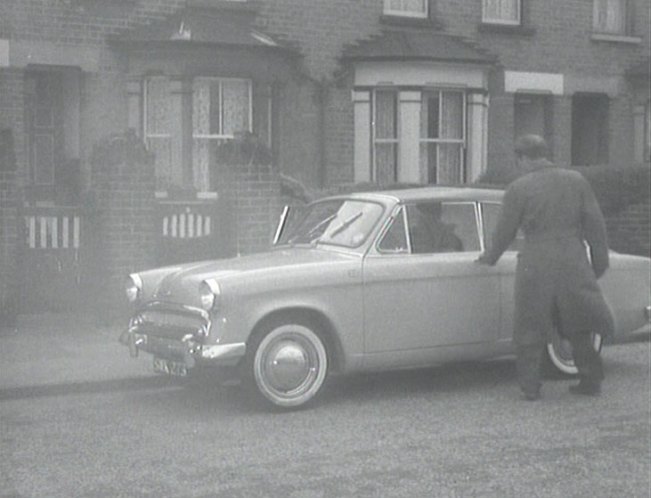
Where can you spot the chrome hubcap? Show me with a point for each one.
(290, 365)
(287, 365)
(563, 349)
(560, 352)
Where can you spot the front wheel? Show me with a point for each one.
(290, 365)
(559, 353)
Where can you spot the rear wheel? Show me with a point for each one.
(559, 354)
(289, 364)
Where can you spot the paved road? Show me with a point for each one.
(458, 431)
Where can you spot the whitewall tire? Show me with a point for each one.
(559, 353)
(290, 365)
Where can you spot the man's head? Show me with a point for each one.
(531, 147)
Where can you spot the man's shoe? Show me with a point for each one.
(586, 388)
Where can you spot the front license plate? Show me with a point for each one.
(169, 367)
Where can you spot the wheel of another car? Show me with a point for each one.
(289, 364)
(559, 354)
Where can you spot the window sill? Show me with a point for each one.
(234, 5)
(414, 22)
(506, 29)
(186, 196)
(634, 40)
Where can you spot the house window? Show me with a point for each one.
(385, 137)
(442, 136)
(532, 115)
(406, 8)
(612, 17)
(221, 109)
(53, 108)
(589, 129)
(157, 132)
(502, 12)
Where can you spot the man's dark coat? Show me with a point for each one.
(555, 282)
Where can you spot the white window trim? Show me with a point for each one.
(145, 111)
(224, 136)
(505, 22)
(374, 140)
(406, 13)
(625, 34)
(463, 141)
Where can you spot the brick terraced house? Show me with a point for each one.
(141, 132)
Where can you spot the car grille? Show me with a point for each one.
(171, 324)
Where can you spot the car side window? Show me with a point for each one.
(394, 239)
(490, 214)
(438, 227)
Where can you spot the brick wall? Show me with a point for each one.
(12, 113)
(9, 283)
(630, 231)
(122, 218)
(560, 42)
(252, 192)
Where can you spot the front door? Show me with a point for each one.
(430, 293)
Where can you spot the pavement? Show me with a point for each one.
(63, 349)
(72, 351)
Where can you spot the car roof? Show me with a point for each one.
(457, 193)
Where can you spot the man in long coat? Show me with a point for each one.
(556, 281)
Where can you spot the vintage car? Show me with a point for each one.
(360, 282)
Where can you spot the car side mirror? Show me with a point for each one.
(282, 221)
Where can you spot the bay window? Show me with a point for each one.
(406, 8)
(385, 136)
(442, 136)
(612, 17)
(157, 131)
(502, 12)
(221, 108)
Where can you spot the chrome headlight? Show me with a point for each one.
(209, 293)
(133, 287)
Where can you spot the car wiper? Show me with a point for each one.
(313, 230)
(346, 223)
(325, 221)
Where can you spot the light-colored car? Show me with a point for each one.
(361, 282)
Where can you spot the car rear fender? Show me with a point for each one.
(627, 288)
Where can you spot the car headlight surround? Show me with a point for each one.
(210, 294)
(133, 287)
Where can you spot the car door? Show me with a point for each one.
(505, 267)
(423, 289)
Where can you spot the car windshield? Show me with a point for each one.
(340, 222)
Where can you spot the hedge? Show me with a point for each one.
(616, 188)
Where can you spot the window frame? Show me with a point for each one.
(146, 134)
(399, 212)
(145, 110)
(476, 216)
(499, 21)
(463, 141)
(375, 140)
(411, 14)
(597, 10)
(221, 135)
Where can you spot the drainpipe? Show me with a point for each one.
(322, 94)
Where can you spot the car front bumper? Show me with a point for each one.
(188, 350)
